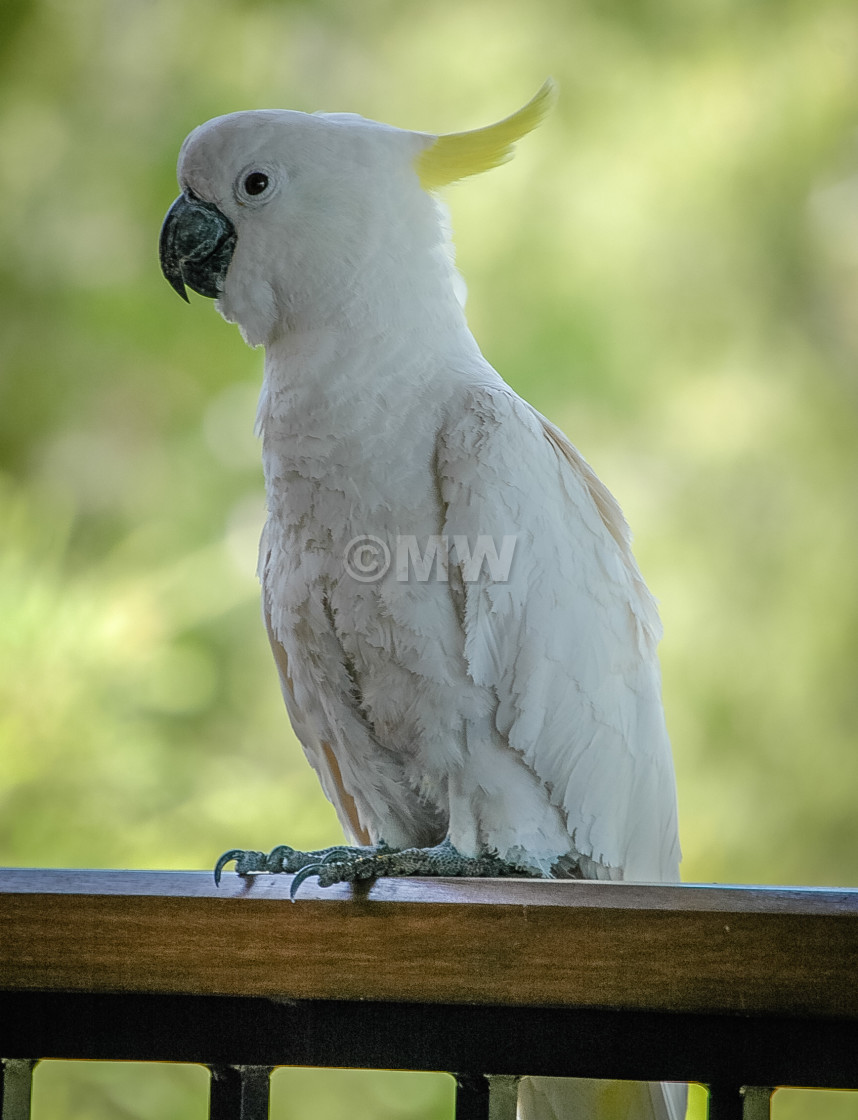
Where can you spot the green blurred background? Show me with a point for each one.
(669, 270)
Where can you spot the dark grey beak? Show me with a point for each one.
(196, 246)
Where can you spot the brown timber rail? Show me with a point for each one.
(741, 988)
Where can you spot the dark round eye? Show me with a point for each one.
(255, 183)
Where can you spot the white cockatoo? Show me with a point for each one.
(466, 646)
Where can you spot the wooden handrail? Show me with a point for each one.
(501, 942)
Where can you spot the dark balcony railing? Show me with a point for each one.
(741, 988)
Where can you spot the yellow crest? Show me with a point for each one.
(459, 154)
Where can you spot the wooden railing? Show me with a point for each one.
(740, 988)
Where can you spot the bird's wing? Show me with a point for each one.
(362, 779)
(567, 640)
(319, 751)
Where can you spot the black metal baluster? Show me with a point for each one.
(758, 1101)
(16, 1088)
(503, 1097)
(472, 1096)
(480, 1097)
(725, 1101)
(238, 1092)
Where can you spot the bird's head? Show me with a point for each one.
(295, 221)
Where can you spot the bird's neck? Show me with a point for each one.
(339, 400)
(335, 379)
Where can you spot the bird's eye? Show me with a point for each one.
(255, 183)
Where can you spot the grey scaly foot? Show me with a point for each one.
(289, 860)
(346, 865)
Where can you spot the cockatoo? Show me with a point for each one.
(466, 646)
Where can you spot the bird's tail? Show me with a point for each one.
(574, 1098)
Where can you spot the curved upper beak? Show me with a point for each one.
(196, 246)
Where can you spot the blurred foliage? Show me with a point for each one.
(669, 269)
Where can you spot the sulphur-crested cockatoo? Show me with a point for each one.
(466, 646)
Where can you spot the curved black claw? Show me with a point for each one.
(244, 862)
(341, 865)
(299, 877)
